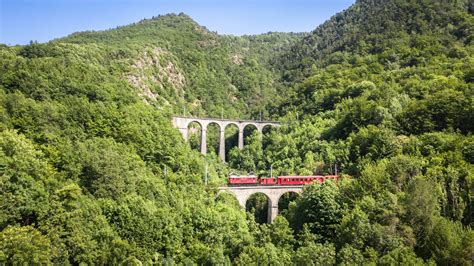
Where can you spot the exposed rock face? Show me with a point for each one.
(157, 77)
(237, 59)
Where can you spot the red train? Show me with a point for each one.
(280, 180)
(243, 180)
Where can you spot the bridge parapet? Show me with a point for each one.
(227, 120)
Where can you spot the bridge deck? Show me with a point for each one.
(229, 120)
(261, 187)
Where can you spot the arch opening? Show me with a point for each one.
(266, 137)
(285, 201)
(267, 129)
(213, 131)
(226, 197)
(194, 135)
(231, 138)
(257, 204)
(249, 130)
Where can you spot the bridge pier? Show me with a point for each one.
(272, 211)
(260, 131)
(241, 138)
(222, 144)
(203, 141)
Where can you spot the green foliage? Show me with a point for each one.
(315, 254)
(400, 255)
(24, 245)
(24, 179)
(318, 207)
(89, 237)
(251, 157)
(92, 172)
(210, 73)
(258, 205)
(450, 243)
(281, 234)
(372, 143)
(266, 255)
(421, 206)
(350, 256)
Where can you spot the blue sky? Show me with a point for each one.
(43, 20)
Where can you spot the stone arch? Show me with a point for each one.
(247, 130)
(276, 195)
(219, 125)
(231, 137)
(195, 121)
(231, 124)
(220, 194)
(213, 129)
(262, 208)
(284, 200)
(246, 125)
(193, 130)
(266, 128)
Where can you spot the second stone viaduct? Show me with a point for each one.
(273, 193)
(182, 123)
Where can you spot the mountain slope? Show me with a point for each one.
(373, 27)
(181, 64)
(408, 49)
(92, 172)
(383, 92)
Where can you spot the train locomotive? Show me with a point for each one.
(280, 180)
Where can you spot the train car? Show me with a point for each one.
(331, 177)
(281, 180)
(268, 181)
(299, 180)
(243, 180)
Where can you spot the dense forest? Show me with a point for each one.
(92, 171)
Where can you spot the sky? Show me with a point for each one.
(22, 21)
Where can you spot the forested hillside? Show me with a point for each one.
(384, 94)
(180, 64)
(92, 172)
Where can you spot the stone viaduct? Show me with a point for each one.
(182, 123)
(243, 193)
